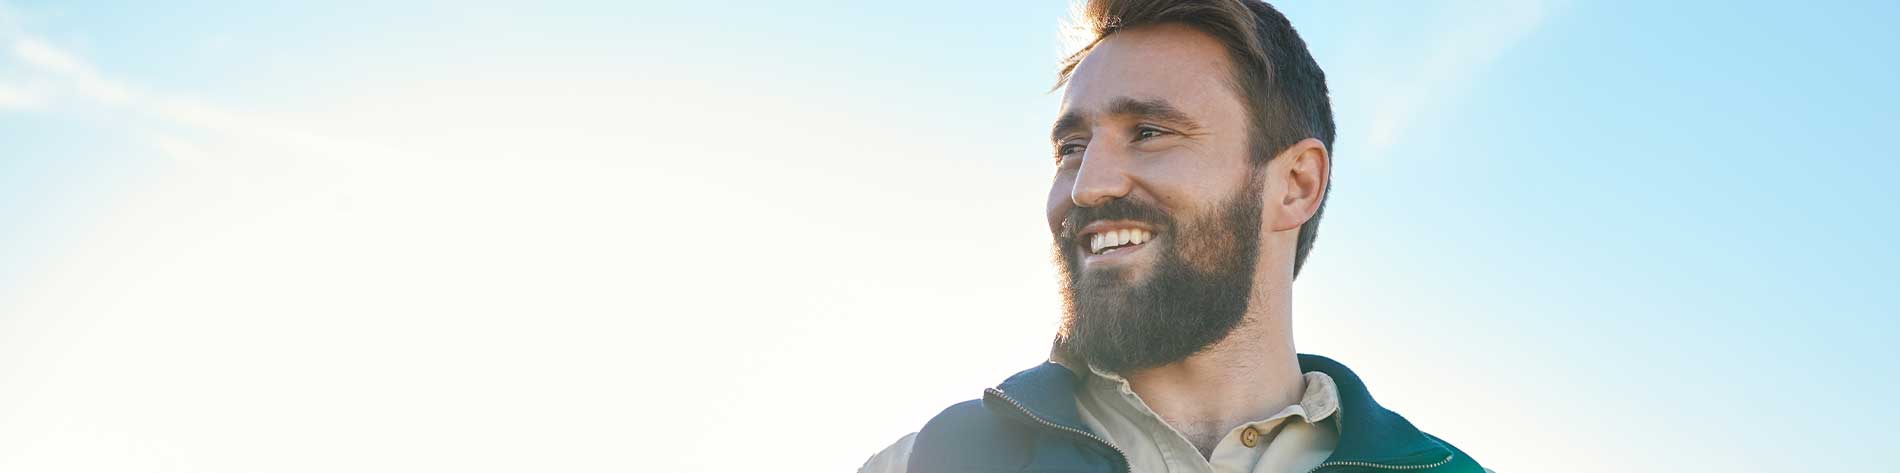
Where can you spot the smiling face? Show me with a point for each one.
(1156, 207)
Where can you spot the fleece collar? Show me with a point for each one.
(1367, 432)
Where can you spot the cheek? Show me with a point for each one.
(1204, 246)
(1192, 180)
(1216, 239)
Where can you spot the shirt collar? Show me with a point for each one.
(1368, 432)
(1318, 401)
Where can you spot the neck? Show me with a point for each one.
(1252, 373)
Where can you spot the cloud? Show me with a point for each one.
(52, 64)
(179, 148)
(56, 62)
(260, 131)
(14, 97)
(61, 76)
(1486, 31)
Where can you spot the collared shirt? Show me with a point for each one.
(1295, 439)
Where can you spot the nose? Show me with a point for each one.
(1102, 178)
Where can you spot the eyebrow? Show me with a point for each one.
(1152, 109)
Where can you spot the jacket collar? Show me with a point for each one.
(1367, 432)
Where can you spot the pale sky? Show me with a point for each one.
(673, 236)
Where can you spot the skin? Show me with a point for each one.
(1113, 142)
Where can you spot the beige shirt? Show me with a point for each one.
(1296, 439)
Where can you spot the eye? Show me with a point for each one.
(1066, 150)
(1146, 132)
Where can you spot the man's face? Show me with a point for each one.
(1156, 207)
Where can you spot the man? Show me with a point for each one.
(1192, 158)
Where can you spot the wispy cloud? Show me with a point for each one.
(57, 77)
(1484, 31)
(16, 97)
(179, 148)
(53, 61)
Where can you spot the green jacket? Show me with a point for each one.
(1030, 423)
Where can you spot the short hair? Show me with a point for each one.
(1283, 87)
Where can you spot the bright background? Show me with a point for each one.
(695, 236)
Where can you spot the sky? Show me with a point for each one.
(1566, 236)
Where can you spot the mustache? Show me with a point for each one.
(1117, 209)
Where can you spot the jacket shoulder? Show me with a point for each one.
(894, 459)
(967, 433)
(1460, 462)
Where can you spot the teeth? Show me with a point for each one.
(1109, 239)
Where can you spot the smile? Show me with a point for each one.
(1106, 241)
(1117, 240)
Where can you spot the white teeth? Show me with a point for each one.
(1126, 236)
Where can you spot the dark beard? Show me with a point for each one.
(1197, 292)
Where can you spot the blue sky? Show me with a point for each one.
(594, 236)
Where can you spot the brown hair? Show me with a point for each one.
(1284, 89)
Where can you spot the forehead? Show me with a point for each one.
(1170, 62)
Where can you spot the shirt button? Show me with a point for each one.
(1250, 437)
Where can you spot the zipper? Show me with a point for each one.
(1120, 455)
(1388, 467)
(1339, 416)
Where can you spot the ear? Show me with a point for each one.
(1300, 175)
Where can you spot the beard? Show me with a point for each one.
(1195, 295)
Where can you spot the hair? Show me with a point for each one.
(1284, 89)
